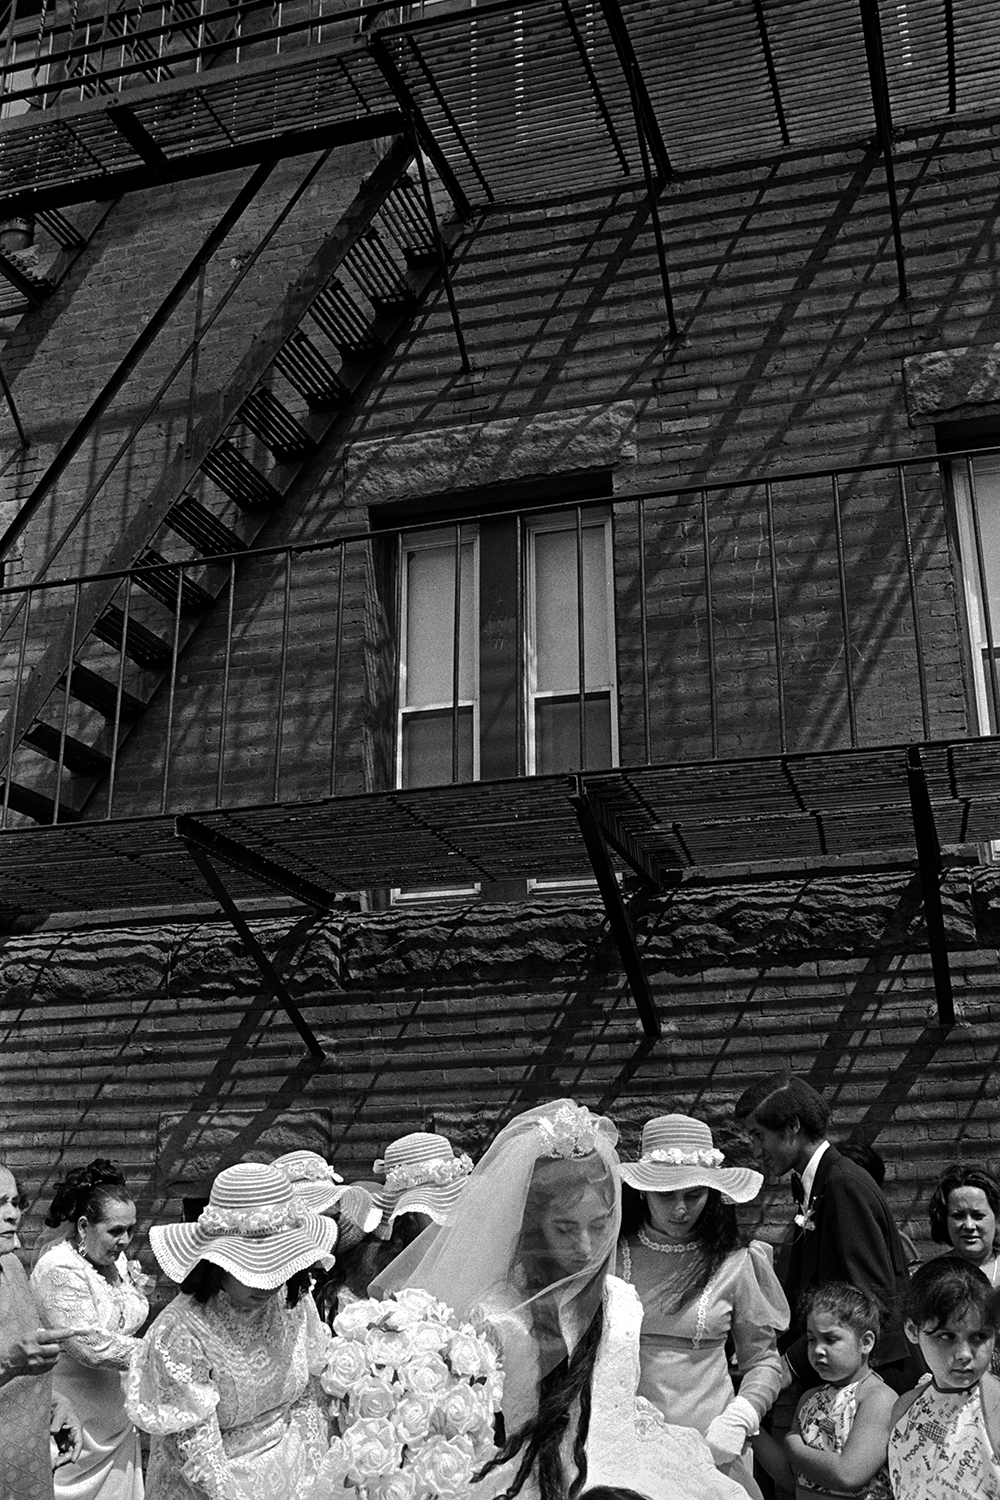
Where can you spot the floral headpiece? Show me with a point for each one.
(570, 1130)
(253, 1224)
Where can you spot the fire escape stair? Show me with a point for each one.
(284, 400)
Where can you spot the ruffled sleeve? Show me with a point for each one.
(760, 1313)
(170, 1390)
(318, 1337)
(68, 1293)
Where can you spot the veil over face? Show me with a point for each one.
(535, 1228)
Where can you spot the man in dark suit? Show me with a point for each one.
(844, 1229)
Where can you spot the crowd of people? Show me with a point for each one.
(646, 1349)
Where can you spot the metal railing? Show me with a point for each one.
(811, 611)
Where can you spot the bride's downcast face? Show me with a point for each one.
(576, 1231)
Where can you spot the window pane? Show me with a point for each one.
(557, 733)
(430, 624)
(427, 747)
(556, 616)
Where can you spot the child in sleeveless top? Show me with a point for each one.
(840, 1431)
(946, 1433)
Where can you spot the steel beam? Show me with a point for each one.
(618, 917)
(615, 22)
(930, 867)
(879, 83)
(249, 862)
(268, 972)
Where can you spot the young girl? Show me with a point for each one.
(946, 1433)
(840, 1431)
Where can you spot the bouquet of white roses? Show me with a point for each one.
(414, 1395)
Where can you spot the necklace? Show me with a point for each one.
(681, 1249)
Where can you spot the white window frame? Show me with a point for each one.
(986, 474)
(590, 520)
(417, 541)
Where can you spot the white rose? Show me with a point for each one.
(385, 1348)
(467, 1353)
(346, 1362)
(373, 1396)
(354, 1320)
(443, 1465)
(429, 1338)
(413, 1416)
(371, 1448)
(460, 1410)
(426, 1374)
(399, 1486)
(422, 1303)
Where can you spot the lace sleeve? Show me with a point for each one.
(317, 1336)
(205, 1464)
(70, 1300)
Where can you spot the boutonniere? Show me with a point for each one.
(805, 1220)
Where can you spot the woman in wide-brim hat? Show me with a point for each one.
(424, 1176)
(700, 1286)
(222, 1380)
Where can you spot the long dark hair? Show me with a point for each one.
(716, 1233)
(205, 1279)
(538, 1444)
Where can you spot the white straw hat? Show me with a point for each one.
(678, 1152)
(252, 1227)
(422, 1175)
(315, 1184)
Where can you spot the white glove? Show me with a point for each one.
(728, 1432)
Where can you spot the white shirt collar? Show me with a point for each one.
(809, 1175)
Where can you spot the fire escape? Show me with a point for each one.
(481, 103)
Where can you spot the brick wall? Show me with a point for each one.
(157, 1044)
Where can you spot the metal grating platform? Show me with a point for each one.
(795, 810)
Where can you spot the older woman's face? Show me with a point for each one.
(971, 1224)
(576, 1232)
(10, 1211)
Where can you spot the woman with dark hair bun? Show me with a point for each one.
(965, 1216)
(699, 1287)
(83, 1279)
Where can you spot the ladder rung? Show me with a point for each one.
(405, 215)
(101, 695)
(24, 799)
(376, 273)
(160, 578)
(142, 646)
(305, 369)
(80, 758)
(238, 478)
(197, 525)
(341, 319)
(277, 429)
(60, 229)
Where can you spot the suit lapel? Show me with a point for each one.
(811, 1237)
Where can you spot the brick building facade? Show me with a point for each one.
(787, 574)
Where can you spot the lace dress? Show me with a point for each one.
(684, 1364)
(228, 1398)
(628, 1442)
(91, 1370)
(26, 1401)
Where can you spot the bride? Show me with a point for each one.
(527, 1251)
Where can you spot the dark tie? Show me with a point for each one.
(797, 1192)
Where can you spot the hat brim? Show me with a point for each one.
(262, 1262)
(318, 1197)
(740, 1184)
(433, 1199)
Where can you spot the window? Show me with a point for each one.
(506, 648)
(976, 484)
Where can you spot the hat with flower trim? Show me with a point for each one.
(678, 1153)
(251, 1227)
(422, 1175)
(315, 1184)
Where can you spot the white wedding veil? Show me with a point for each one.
(500, 1243)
